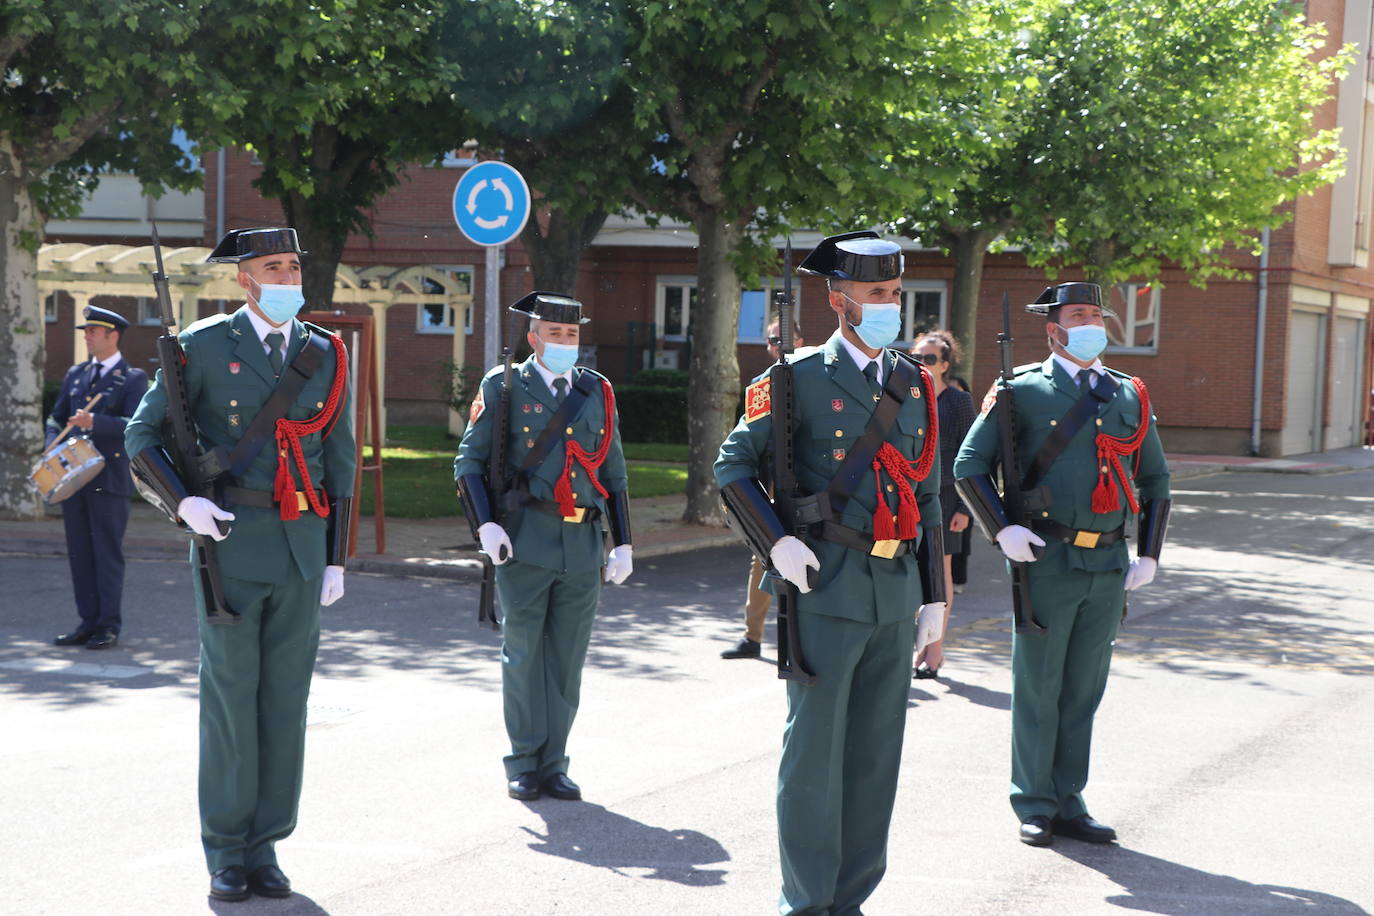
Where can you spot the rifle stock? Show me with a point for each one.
(186, 450)
(1023, 614)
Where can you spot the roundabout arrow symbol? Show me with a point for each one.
(500, 185)
(490, 223)
(477, 189)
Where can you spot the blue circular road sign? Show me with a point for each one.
(491, 203)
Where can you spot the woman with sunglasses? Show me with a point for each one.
(938, 351)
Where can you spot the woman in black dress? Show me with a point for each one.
(938, 351)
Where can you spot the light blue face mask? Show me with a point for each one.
(881, 324)
(279, 302)
(558, 358)
(1086, 342)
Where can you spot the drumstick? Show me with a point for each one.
(68, 428)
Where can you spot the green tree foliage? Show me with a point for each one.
(87, 85)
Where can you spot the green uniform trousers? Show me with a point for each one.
(545, 632)
(1057, 684)
(254, 681)
(841, 751)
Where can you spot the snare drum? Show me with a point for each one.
(67, 468)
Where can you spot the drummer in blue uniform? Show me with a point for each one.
(97, 514)
(865, 443)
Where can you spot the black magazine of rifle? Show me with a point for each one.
(186, 450)
(496, 478)
(1023, 614)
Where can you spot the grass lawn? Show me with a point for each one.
(418, 472)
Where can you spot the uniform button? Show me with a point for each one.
(601, 431)
(839, 433)
(319, 403)
(1045, 514)
(569, 430)
(572, 473)
(1099, 421)
(1104, 469)
(525, 429)
(890, 488)
(921, 431)
(1054, 422)
(233, 403)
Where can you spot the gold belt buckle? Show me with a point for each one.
(1086, 538)
(302, 502)
(579, 513)
(887, 549)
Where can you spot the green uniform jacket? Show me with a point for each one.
(537, 538)
(1043, 393)
(228, 379)
(833, 404)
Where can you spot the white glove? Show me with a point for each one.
(199, 514)
(619, 564)
(331, 589)
(1142, 572)
(791, 558)
(495, 542)
(930, 624)
(1016, 541)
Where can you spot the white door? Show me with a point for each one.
(1347, 383)
(1302, 418)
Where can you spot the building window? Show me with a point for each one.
(50, 308)
(1135, 329)
(437, 317)
(923, 309)
(145, 311)
(677, 296)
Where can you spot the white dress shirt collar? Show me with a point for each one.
(108, 363)
(262, 327)
(862, 359)
(1072, 368)
(548, 376)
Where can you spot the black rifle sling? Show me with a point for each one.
(859, 461)
(584, 386)
(1068, 426)
(293, 379)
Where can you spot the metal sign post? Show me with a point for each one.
(491, 204)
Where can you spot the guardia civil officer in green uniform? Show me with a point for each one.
(1088, 460)
(290, 513)
(564, 475)
(864, 440)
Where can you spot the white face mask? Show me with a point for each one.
(881, 322)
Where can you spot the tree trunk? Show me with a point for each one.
(969, 247)
(21, 340)
(556, 252)
(325, 245)
(713, 389)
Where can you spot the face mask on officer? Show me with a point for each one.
(1085, 342)
(557, 358)
(278, 301)
(881, 322)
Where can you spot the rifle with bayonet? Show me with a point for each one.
(792, 664)
(496, 478)
(1023, 614)
(190, 459)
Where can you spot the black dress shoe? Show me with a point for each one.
(77, 637)
(745, 648)
(924, 672)
(1084, 828)
(268, 881)
(560, 786)
(1036, 831)
(524, 787)
(104, 638)
(229, 883)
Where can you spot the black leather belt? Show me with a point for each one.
(262, 499)
(1076, 537)
(858, 540)
(549, 507)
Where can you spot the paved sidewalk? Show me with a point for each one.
(443, 548)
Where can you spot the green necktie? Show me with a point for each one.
(274, 341)
(871, 373)
(560, 389)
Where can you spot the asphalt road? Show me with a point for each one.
(1234, 752)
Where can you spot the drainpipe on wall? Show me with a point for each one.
(1261, 314)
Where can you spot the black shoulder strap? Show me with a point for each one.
(1068, 426)
(896, 389)
(584, 386)
(263, 427)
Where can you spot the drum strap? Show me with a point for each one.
(293, 379)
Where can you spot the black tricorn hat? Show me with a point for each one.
(546, 306)
(860, 256)
(103, 318)
(242, 244)
(1069, 294)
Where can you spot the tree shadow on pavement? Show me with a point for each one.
(603, 839)
(1155, 885)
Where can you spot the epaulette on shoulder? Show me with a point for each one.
(1022, 370)
(1118, 373)
(204, 324)
(317, 329)
(804, 353)
(496, 370)
(593, 372)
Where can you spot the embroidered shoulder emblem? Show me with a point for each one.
(758, 400)
(479, 404)
(989, 400)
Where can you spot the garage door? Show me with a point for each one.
(1347, 383)
(1302, 418)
